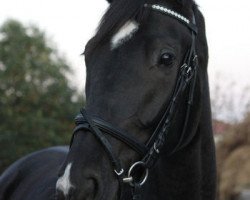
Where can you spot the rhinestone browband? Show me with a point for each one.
(168, 11)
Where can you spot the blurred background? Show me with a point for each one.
(42, 77)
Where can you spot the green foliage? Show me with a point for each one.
(37, 105)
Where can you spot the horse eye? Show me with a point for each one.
(166, 59)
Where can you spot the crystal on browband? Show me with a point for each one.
(168, 11)
(176, 15)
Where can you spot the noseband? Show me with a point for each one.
(150, 151)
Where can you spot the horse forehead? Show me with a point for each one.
(64, 184)
(124, 33)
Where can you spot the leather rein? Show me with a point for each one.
(150, 151)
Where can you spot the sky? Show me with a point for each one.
(70, 24)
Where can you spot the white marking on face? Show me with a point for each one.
(63, 182)
(124, 34)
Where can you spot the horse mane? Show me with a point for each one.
(118, 13)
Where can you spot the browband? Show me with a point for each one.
(173, 14)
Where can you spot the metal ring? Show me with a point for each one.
(146, 172)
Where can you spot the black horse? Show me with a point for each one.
(147, 103)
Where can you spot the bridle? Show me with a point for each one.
(150, 151)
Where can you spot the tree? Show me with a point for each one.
(37, 105)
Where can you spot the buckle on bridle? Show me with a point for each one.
(195, 58)
(184, 66)
(156, 148)
(131, 180)
(187, 71)
(120, 172)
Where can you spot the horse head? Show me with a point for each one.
(134, 64)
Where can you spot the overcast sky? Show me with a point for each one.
(71, 23)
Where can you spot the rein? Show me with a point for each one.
(150, 151)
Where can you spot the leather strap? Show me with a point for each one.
(103, 140)
(113, 131)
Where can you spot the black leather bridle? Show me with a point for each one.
(149, 152)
